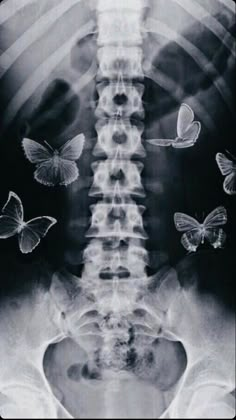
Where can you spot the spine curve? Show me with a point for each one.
(117, 177)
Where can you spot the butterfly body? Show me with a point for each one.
(196, 233)
(29, 233)
(54, 166)
(202, 230)
(56, 162)
(188, 130)
(21, 226)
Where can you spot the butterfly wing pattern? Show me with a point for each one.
(215, 235)
(35, 152)
(55, 167)
(227, 168)
(191, 237)
(72, 149)
(12, 216)
(195, 233)
(70, 152)
(161, 142)
(32, 232)
(12, 223)
(188, 130)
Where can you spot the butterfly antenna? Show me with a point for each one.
(50, 147)
(230, 154)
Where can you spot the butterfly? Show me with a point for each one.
(54, 166)
(12, 223)
(228, 169)
(196, 233)
(188, 130)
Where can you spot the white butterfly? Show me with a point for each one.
(188, 130)
(228, 169)
(196, 233)
(55, 166)
(12, 223)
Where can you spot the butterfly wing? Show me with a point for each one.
(13, 215)
(35, 152)
(73, 148)
(216, 237)
(190, 137)
(185, 119)
(192, 132)
(8, 227)
(13, 208)
(229, 184)
(49, 173)
(161, 142)
(217, 217)
(226, 166)
(183, 144)
(68, 172)
(46, 173)
(33, 231)
(191, 240)
(184, 223)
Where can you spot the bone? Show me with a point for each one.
(124, 5)
(36, 30)
(211, 23)
(228, 4)
(133, 261)
(10, 8)
(23, 381)
(119, 27)
(177, 93)
(127, 172)
(41, 74)
(131, 57)
(160, 28)
(119, 135)
(105, 228)
(120, 98)
(203, 328)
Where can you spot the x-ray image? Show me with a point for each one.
(117, 209)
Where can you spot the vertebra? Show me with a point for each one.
(115, 260)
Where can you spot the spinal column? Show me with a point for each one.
(117, 250)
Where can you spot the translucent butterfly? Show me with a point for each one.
(196, 233)
(54, 166)
(228, 169)
(12, 223)
(188, 130)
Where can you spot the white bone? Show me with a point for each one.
(106, 101)
(31, 35)
(132, 57)
(133, 144)
(10, 8)
(209, 21)
(42, 73)
(204, 328)
(158, 27)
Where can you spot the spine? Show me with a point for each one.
(116, 249)
(115, 259)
